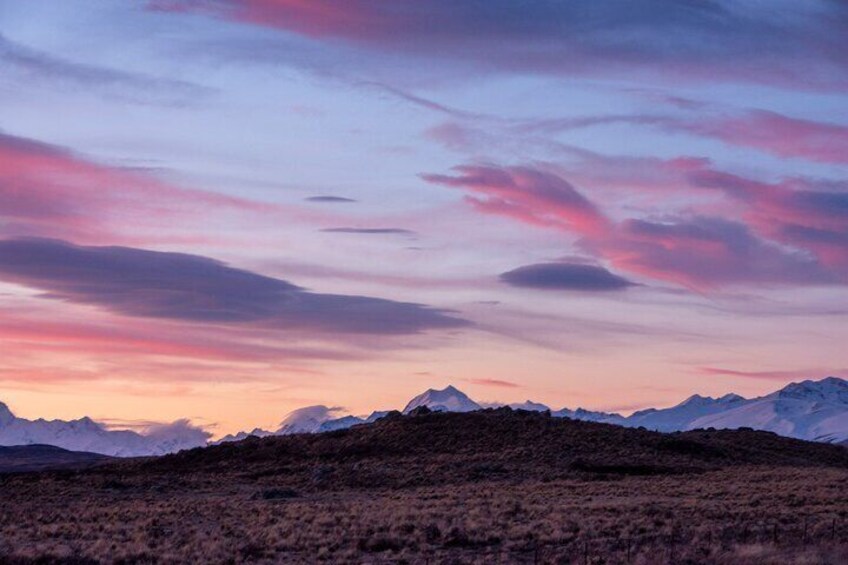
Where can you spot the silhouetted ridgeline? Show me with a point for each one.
(26, 458)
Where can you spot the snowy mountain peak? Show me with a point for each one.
(530, 406)
(698, 400)
(449, 399)
(305, 420)
(6, 416)
(730, 397)
(85, 434)
(830, 390)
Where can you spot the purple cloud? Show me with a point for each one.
(57, 70)
(330, 199)
(565, 276)
(177, 286)
(370, 231)
(697, 251)
(799, 45)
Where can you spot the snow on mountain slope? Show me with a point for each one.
(448, 399)
(257, 432)
(6, 416)
(87, 435)
(811, 410)
(590, 416)
(339, 424)
(808, 410)
(682, 416)
(376, 415)
(306, 420)
(529, 405)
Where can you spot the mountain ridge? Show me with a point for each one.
(810, 410)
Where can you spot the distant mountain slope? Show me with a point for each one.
(590, 416)
(25, 458)
(812, 410)
(86, 435)
(681, 416)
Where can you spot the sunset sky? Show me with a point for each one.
(225, 210)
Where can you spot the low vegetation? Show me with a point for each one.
(486, 487)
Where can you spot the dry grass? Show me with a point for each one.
(162, 511)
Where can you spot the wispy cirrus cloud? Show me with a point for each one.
(799, 374)
(23, 61)
(767, 131)
(794, 46)
(528, 194)
(49, 190)
(775, 133)
(493, 382)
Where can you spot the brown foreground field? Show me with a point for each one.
(487, 487)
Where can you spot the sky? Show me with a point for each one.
(225, 210)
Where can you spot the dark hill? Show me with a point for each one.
(439, 448)
(24, 458)
(493, 486)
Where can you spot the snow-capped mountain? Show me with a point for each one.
(308, 420)
(87, 435)
(449, 399)
(258, 432)
(340, 424)
(305, 420)
(682, 416)
(811, 410)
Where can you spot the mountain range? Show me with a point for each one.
(86, 435)
(809, 410)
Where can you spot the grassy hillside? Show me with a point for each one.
(480, 487)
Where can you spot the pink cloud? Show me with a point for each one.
(779, 135)
(689, 249)
(493, 382)
(773, 375)
(527, 194)
(51, 191)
